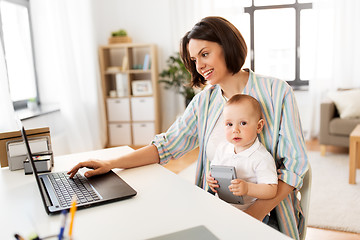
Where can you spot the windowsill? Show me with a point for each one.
(26, 113)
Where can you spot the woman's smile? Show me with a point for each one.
(207, 73)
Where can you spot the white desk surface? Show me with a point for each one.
(164, 203)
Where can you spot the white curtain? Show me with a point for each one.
(68, 67)
(7, 119)
(182, 18)
(337, 55)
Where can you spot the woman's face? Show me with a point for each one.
(209, 60)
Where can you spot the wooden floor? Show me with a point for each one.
(312, 233)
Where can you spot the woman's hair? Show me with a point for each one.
(221, 31)
(242, 98)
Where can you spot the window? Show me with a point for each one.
(280, 33)
(16, 36)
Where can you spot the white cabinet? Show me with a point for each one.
(118, 109)
(129, 81)
(143, 133)
(120, 134)
(143, 109)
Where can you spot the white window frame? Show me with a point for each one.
(297, 82)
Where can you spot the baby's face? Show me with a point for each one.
(242, 125)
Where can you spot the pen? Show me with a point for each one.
(63, 222)
(72, 214)
(18, 237)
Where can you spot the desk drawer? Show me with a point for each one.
(119, 134)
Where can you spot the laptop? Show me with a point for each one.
(195, 233)
(57, 189)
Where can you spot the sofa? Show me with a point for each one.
(335, 127)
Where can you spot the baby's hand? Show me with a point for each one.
(212, 182)
(238, 187)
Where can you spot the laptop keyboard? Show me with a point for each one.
(66, 188)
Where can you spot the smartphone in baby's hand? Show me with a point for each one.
(224, 175)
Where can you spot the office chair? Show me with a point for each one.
(305, 199)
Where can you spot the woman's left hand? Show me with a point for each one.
(239, 187)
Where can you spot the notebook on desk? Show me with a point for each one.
(57, 189)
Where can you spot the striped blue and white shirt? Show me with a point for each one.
(282, 136)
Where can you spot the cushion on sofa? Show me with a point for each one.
(347, 102)
(338, 126)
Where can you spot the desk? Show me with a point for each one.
(165, 203)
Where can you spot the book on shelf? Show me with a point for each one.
(125, 63)
(121, 84)
(146, 65)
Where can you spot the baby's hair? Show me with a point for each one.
(241, 98)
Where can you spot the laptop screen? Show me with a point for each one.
(31, 160)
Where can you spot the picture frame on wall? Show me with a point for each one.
(141, 87)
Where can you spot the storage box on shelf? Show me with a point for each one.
(129, 81)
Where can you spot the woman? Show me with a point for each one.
(214, 52)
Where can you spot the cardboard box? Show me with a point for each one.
(16, 135)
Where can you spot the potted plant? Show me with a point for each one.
(177, 77)
(119, 36)
(32, 104)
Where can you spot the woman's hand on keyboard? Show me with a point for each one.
(97, 166)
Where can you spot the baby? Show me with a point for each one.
(255, 167)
